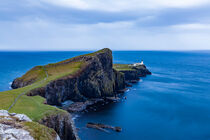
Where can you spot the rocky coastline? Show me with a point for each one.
(98, 81)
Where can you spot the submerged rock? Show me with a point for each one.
(82, 106)
(103, 127)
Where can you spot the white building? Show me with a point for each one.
(138, 64)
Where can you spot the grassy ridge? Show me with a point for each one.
(33, 106)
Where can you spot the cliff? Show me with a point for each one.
(95, 78)
(132, 73)
(87, 79)
(62, 123)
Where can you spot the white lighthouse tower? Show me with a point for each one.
(139, 64)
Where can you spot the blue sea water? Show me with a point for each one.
(171, 104)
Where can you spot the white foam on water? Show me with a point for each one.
(10, 83)
(127, 90)
(74, 117)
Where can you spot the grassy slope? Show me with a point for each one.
(33, 106)
(39, 132)
(122, 67)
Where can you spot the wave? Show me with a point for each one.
(75, 116)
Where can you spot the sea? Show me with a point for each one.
(171, 104)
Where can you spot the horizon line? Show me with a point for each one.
(95, 50)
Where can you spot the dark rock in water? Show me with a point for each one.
(103, 127)
(90, 105)
(142, 70)
(83, 106)
(112, 99)
(122, 91)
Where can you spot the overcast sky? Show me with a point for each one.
(95, 24)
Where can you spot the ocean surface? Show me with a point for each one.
(171, 104)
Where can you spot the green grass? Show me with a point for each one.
(56, 70)
(33, 106)
(39, 132)
(122, 67)
(35, 74)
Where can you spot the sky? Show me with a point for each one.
(69, 25)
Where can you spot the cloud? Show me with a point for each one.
(192, 26)
(91, 25)
(41, 34)
(126, 5)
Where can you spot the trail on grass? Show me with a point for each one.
(16, 99)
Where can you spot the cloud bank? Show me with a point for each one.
(94, 24)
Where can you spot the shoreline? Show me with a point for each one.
(92, 80)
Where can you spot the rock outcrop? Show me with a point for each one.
(103, 127)
(19, 127)
(132, 73)
(97, 79)
(63, 124)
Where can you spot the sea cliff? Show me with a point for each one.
(86, 80)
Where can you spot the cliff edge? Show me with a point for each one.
(93, 77)
(85, 79)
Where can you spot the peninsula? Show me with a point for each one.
(85, 80)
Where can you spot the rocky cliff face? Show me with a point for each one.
(134, 73)
(62, 124)
(96, 79)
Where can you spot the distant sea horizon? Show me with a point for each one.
(171, 104)
(92, 50)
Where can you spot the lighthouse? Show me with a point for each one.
(139, 64)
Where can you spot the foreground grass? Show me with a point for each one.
(32, 106)
(36, 130)
(39, 132)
